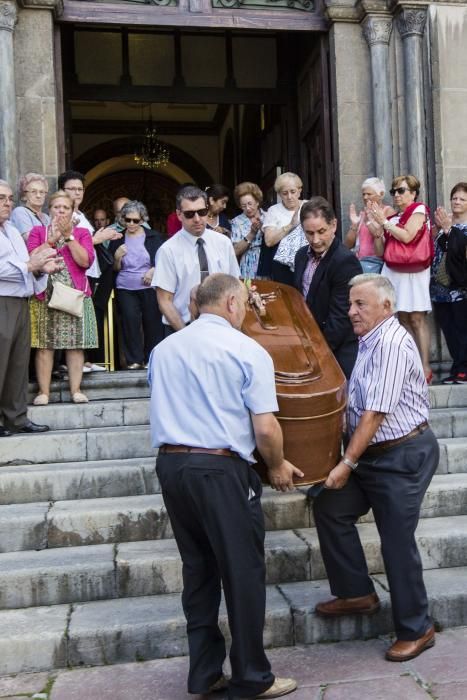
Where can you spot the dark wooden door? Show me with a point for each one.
(315, 124)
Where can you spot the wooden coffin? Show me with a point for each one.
(310, 385)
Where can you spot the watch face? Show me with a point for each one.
(71, 237)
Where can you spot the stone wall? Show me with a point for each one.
(36, 93)
(351, 114)
(448, 26)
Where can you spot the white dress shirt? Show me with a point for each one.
(177, 265)
(15, 278)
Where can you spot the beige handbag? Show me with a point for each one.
(67, 299)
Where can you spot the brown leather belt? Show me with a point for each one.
(381, 447)
(169, 449)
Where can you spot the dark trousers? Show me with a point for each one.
(282, 273)
(98, 354)
(15, 346)
(141, 323)
(393, 485)
(220, 536)
(452, 319)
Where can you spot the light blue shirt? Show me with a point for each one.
(25, 219)
(177, 265)
(205, 380)
(388, 377)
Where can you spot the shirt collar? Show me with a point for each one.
(189, 237)
(367, 341)
(214, 318)
(311, 254)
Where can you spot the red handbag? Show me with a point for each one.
(414, 256)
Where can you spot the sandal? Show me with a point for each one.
(41, 400)
(78, 397)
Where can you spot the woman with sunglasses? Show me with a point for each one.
(134, 259)
(412, 288)
(32, 190)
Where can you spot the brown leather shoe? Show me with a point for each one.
(404, 651)
(364, 605)
(222, 683)
(280, 687)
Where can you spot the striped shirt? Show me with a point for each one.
(388, 377)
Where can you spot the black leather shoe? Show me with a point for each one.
(30, 427)
(4, 432)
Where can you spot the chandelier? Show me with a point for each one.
(153, 153)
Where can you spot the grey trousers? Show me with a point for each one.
(15, 347)
(393, 485)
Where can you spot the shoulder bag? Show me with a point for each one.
(414, 256)
(67, 299)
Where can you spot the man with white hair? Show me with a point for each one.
(21, 275)
(389, 459)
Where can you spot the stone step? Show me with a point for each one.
(131, 569)
(77, 445)
(100, 386)
(107, 443)
(446, 422)
(41, 525)
(133, 384)
(128, 569)
(76, 480)
(149, 627)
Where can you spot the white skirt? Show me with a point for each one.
(412, 289)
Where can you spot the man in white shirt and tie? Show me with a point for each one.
(188, 257)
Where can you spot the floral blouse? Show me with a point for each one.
(241, 226)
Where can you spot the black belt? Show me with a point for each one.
(221, 452)
(381, 447)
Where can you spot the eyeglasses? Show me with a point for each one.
(6, 198)
(38, 192)
(191, 214)
(74, 189)
(130, 220)
(398, 190)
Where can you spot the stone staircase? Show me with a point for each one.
(90, 574)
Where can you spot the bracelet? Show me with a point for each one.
(386, 223)
(349, 463)
(247, 240)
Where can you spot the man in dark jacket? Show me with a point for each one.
(323, 270)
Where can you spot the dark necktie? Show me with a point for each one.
(203, 261)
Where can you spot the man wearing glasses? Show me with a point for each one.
(188, 257)
(21, 275)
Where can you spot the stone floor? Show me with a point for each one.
(342, 671)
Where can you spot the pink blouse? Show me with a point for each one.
(38, 236)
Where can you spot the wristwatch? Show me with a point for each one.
(70, 238)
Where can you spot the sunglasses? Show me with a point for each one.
(398, 190)
(191, 214)
(130, 220)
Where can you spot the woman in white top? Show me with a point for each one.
(281, 226)
(412, 288)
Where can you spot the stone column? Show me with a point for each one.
(377, 32)
(411, 22)
(8, 147)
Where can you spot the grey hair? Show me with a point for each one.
(26, 180)
(133, 205)
(192, 193)
(215, 287)
(382, 285)
(4, 183)
(376, 184)
(281, 179)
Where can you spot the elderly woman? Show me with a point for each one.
(218, 198)
(412, 288)
(449, 295)
(32, 191)
(134, 261)
(364, 229)
(282, 227)
(58, 330)
(247, 234)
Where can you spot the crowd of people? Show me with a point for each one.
(213, 395)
